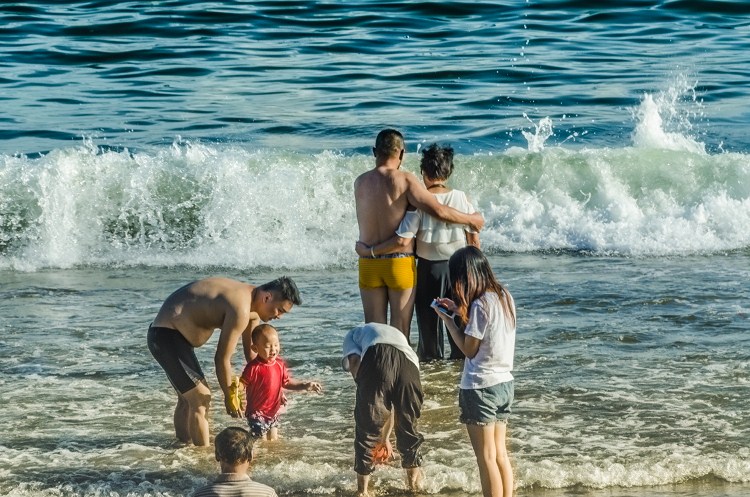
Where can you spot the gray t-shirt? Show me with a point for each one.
(235, 485)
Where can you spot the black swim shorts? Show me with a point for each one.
(175, 354)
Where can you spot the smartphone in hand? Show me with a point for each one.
(442, 309)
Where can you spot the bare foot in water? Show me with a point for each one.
(415, 479)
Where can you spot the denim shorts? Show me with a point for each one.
(483, 406)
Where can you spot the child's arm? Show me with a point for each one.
(383, 451)
(310, 386)
(467, 344)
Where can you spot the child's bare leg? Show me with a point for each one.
(503, 460)
(273, 433)
(415, 479)
(483, 442)
(363, 482)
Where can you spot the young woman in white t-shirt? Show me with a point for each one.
(487, 316)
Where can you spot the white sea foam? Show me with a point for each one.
(206, 205)
(141, 471)
(200, 204)
(651, 132)
(665, 119)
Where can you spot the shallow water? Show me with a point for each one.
(631, 374)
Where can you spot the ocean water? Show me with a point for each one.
(146, 144)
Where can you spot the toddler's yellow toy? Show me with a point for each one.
(235, 394)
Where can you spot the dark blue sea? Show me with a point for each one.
(146, 144)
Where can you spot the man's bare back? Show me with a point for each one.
(381, 202)
(200, 307)
(383, 195)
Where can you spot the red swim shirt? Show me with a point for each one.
(264, 382)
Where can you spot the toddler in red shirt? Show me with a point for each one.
(264, 378)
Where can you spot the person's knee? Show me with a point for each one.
(501, 456)
(204, 400)
(200, 401)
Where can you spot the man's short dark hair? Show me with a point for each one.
(437, 161)
(283, 288)
(234, 445)
(389, 143)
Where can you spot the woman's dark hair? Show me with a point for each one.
(437, 162)
(471, 276)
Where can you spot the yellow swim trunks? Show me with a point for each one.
(395, 271)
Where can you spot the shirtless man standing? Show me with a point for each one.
(188, 318)
(382, 196)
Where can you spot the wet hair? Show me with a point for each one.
(388, 143)
(260, 330)
(234, 445)
(283, 288)
(437, 162)
(471, 276)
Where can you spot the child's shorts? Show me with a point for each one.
(259, 425)
(484, 406)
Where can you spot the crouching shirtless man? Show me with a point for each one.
(188, 318)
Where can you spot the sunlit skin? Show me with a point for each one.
(382, 196)
(267, 346)
(197, 310)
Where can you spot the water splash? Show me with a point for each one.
(542, 132)
(198, 204)
(664, 120)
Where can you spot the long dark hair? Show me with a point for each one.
(471, 276)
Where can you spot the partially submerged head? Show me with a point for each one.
(233, 446)
(437, 162)
(389, 144)
(276, 298)
(266, 342)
